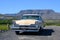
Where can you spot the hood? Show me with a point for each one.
(25, 22)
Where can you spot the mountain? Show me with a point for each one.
(7, 16)
(45, 14)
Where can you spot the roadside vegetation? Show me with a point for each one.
(52, 22)
(4, 27)
(4, 24)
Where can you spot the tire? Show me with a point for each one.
(40, 29)
(44, 26)
(17, 32)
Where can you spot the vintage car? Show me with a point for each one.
(28, 23)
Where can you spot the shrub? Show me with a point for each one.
(4, 27)
(5, 21)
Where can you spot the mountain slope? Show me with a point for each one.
(46, 14)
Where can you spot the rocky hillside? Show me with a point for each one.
(7, 16)
(46, 14)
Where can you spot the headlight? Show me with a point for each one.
(36, 22)
(15, 25)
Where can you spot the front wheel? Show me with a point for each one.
(40, 29)
(17, 32)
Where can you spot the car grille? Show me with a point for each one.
(26, 26)
(26, 29)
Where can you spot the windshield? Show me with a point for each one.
(31, 17)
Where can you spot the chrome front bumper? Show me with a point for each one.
(25, 29)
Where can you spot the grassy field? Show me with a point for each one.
(4, 24)
(52, 22)
(3, 27)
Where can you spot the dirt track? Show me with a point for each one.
(49, 33)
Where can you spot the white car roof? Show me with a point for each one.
(31, 14)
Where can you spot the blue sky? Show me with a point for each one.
(14, 6)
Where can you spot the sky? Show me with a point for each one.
(15, 6)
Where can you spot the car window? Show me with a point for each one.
(32, 17)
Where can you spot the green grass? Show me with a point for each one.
(3, 24)
(3, 27)
(52, 22)
(5, 21)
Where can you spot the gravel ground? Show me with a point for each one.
(48, 33)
